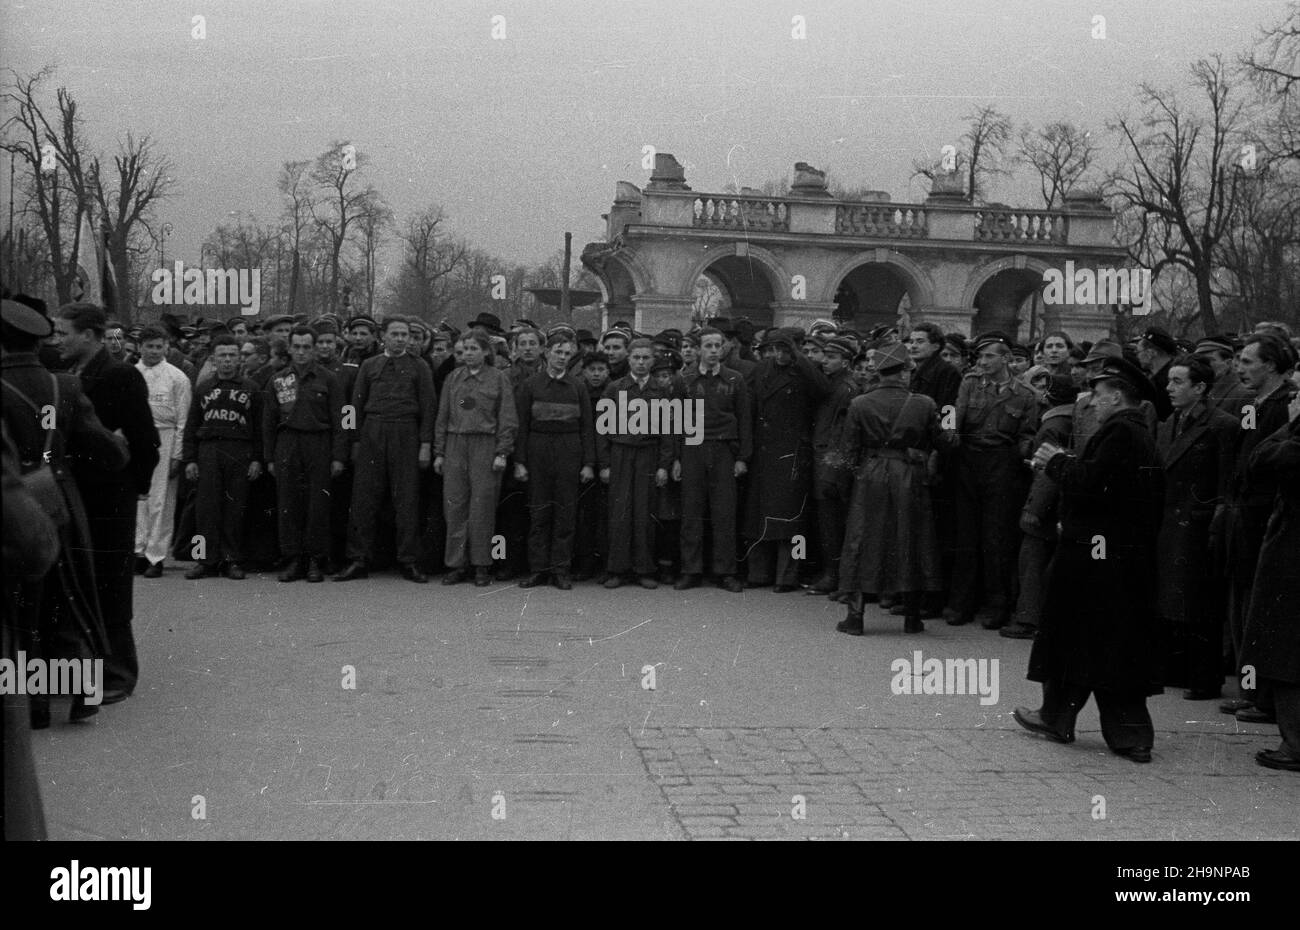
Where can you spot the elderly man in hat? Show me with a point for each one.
(996, 418)
(785, 392)
(1197, 445)
(890, 545)
(1227, 392)
(1156, 350)
(832, 474)
(1099, 634)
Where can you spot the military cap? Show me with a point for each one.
(1020, 351)
(818, 339)
(272, 322)
(559, 328)
(189, 332)
(670, 360)
(584, 335)
(359, 320)
(1161, 339)
(883, 330)
(135, 332)
(1217, 343)
(891, 357)
(823, 326)
(230, 323)
(624, 332)
(1185, 345)
(991, 337)
(1122, 370)
(25, 319)
(523, 323)
(621, 324)
(669, 338)
(839, 344)
(325, 325)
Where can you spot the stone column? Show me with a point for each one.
(802, 313)
(949, 319)
(655, 312)
(1085, 321)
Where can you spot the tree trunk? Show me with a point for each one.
(1205, 300)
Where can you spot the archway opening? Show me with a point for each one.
(873, 294)
(745, 286)
(1009, 301)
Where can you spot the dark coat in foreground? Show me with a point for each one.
(1100, 626)
(890, 543)
(1272, 639)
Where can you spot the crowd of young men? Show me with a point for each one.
(1032, 488)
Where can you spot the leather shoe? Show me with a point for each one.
(455, 576)
(666, 576)
(1234, 705)
(504, 573)
(153, 571)
(1276, 759)
(353, 571)
(141, 563)
(295, 571)
(412, 573)
(733, 584)
(562, 581)
(614, 581)
(783, 589)
(1255, 715)
(1202, 694)
(114, 695)
(200, 571)
(81, 710)
(482, 578)
(823, 585)
(534, 580)
(996, 619)
(960, 619)
(315, 573)
(851, 625)
(235, 572)
(647, 581)
(686, 582)
(1032, 721)
(1137, 754)
(1018, 631)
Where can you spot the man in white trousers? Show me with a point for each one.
(169, 400)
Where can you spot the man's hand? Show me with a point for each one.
(1044, 454)
(661, 477)
(254, 470)
(499, 463)
(426, 450)
(677, 471)
(587, 474)
(741, 469)
(521, 472)
(270, 469)
(604, 475)
(192, 471)
(336, 468)
(437, 464)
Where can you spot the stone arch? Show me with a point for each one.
(777, 277)
(1004, 284)
(752, 278)
(916, 280)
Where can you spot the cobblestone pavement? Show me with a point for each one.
(529, 714)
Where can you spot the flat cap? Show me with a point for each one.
(25, 320)
(1161, 339)
(1122, 370)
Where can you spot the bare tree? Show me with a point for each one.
(1180, 185)
(295, 188)
(981, 156)
(423, 283)
(340, 203)
(374, 222)
(140, 179)
(1061, 153)
(1273, 67)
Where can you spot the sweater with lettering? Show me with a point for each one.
(224, 408)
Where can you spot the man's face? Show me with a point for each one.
(690, 353)
(252, 360)
(785, 356)
(73, 346)
(327, 347)
(1017, 365)
(953, 357)
(115, 340)
(203, 339)
(993, 360)
(363, 337)
(1254, 372)
(470, 353)
(640, 360)
(596, 375)
(615, 349)
(225, 359)
(281, 331)
(1055, 350)
(834, 363)
(152, 351)
(302, 349)
(1183, 391)
(768, 351)
(528, 347)
(419, 339)
(919, 346)
(862, 371)
(439, 351)
(130, 349)
(813, 351)
(1220, 362)
(239, 329)
(1146, 354)
(558, 357)
(1106, 399)
(1039, 384)
(397, 336)
(663, 378)
(711, 350)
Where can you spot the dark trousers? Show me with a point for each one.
(511, 521)
(1283, 699)
(1125, 721)
(388, 463)
(302, 479)
(991, 490)
(631, 499)
(591, 538)
(1035, 555)
(554, 460)
(340, 514)
(832, 496)
(111, 510)
(262, 524)
(221, 498)
(772, 557)
(709, 482)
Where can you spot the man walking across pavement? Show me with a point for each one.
(554, 452)
(169, 401)
(394, 404)
(223, 456)
(121, 401)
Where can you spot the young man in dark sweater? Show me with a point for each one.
(222, 451)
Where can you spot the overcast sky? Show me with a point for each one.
(524, 137)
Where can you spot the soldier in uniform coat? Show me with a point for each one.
(890, 543)
(1196, 444)
(832, 475)
(121, 401)
(784, 392)
(1271, 643)
(1099, 634)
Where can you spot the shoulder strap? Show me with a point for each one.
(895, 431)
(49, 433)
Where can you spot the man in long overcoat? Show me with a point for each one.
(1099, 633)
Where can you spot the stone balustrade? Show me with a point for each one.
(880, 220)
(714, 211)
(1013, 225)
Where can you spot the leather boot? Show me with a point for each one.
(294, 571)
(355, 570)
(912, 613)
(314, 572)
